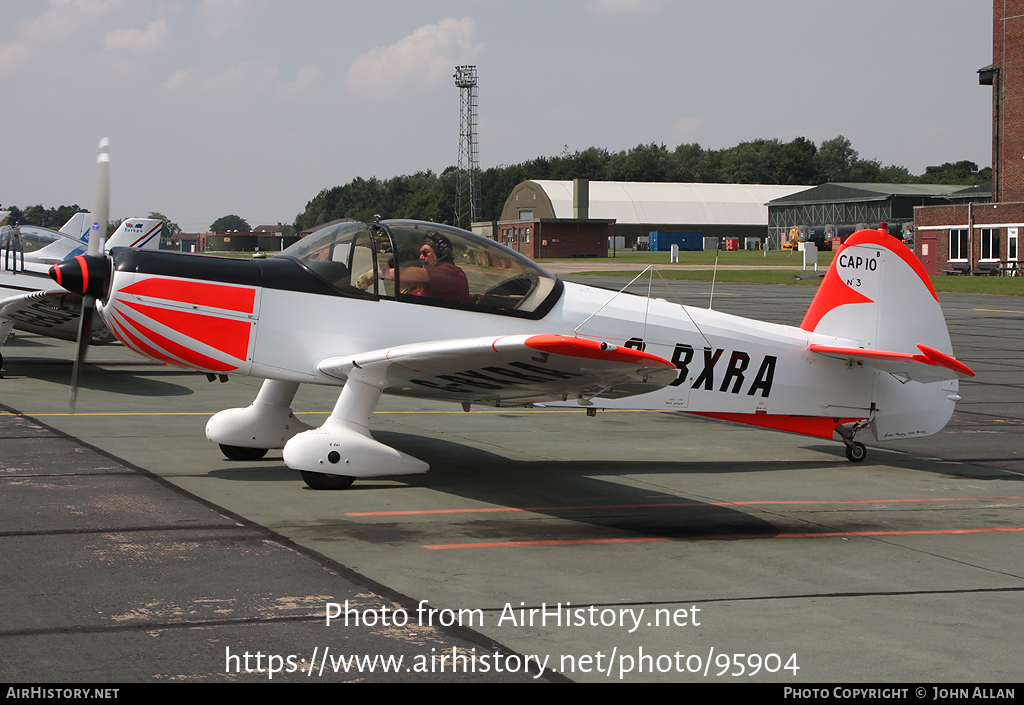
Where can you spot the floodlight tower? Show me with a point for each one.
(467, 188)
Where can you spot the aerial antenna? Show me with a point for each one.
(714, 276)
(467, 185)
(653, 270)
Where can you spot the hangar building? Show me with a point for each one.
(575, 218)
(842, 208)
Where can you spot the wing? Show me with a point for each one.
(506, 371)
(928, 366)
(51, 313)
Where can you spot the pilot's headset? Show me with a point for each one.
(442, 246)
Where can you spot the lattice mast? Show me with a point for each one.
(467, 188)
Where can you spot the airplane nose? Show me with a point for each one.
(84, 275)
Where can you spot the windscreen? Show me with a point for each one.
(443, 265)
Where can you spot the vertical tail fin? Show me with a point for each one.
(877, 294)
(140, 233)
(77, 227)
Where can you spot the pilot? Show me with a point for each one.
(438, 277)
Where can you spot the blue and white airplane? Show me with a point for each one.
(29, 301)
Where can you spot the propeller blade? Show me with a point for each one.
(98, 232)
(101, 203)
(84, 335)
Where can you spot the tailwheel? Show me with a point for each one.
(240, 453)
(326, 481)
(856, 452)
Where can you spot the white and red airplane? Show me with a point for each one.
(426, 310)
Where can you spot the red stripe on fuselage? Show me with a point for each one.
(819, 426)
(230, 298)
(187, 356)
(122, 329)
(227, 335)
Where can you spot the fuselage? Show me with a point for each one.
(35, 313)
(272, 319)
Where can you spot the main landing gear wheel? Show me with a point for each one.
(240, 453)
(856, 452)
(326, 481)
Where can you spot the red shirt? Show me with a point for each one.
(447, 282)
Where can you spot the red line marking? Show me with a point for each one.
(725, 537)
(494, 344)
(489, 510)
(387, 356)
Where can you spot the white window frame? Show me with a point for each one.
(990, 242)
(961, 240)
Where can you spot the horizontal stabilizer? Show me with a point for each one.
(930, 365)
(506, 370)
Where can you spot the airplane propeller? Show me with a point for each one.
(89, 274)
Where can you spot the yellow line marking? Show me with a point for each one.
(327, 413)
(990, 310)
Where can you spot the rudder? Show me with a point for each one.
(877, 294)
(877, 297)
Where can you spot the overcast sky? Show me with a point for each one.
(251, 107)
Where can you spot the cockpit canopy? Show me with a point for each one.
(467, 271)
(30, 247)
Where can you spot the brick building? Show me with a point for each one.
(983, 237)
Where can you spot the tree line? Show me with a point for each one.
(54, 218)
(428, 196)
